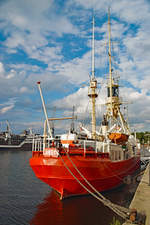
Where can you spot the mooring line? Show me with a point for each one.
(117, 209)
(120, 207)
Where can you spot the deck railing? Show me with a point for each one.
(39, 144)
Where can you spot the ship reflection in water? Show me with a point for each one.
(83, 210)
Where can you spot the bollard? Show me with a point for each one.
(133, 215)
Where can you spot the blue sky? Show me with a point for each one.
(50, 41)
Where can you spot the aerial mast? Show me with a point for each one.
(93, 49)
(110, 66)
(93, 85)
(113, 100)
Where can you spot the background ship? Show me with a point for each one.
(93, 160)
(11, 141)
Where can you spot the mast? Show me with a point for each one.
(93, 49)
(93, 85)
(113, 100)
(45, 112)
(110, 67)
(72, 124)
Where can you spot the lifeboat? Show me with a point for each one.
(118, 138)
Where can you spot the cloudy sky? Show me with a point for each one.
(50, 41)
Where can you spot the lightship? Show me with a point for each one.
(76, 163)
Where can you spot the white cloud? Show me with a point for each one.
(23, 89)
(136, 11)
(94, 4)
(29, 24)
(117, 30)
(6, 109)
(48, 55)
(7, 106)
(2, 71)
(138, 107)
(11, 74)
(4, 74)
(81, 101)
(77, 70)
(35, 28)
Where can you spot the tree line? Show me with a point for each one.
(144, 137)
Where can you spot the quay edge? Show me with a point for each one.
(141, 199)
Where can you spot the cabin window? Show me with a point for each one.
(115, 91)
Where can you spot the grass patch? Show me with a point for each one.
(115, 222)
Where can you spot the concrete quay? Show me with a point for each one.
(141, 199)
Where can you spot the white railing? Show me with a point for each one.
(37, 144)
(97, 146)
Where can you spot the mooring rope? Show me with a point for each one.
(121, 211)
(94, 189)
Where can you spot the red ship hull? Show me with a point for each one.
(101, 172)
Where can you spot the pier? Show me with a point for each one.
(141, 199)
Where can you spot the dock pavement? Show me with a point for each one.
(141, 199)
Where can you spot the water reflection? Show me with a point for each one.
(83, 210)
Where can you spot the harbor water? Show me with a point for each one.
(24, 199)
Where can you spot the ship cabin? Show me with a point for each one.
(115, 91)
